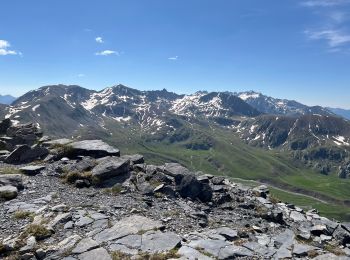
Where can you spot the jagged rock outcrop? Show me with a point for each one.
(61, 210)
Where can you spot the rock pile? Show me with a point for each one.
(84, 200)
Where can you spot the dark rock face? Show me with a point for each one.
(25, 154)
(12, 180)
(189, 186)
(93, 148)
(4, 125)
(111, 167)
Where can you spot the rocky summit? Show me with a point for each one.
(83, 199)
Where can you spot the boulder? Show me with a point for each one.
(11, 179)
(175, 170)
(261, 191)
(8, 192)
(111, 167)
(189, 187)
(134, 159)
(32, 169)
(26, 154)
(93, 148)
(4, 125)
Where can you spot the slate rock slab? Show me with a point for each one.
(99, 253)
(32, 169)
(8, 192)
(93, 148)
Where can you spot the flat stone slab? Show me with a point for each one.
(85, 245)
(128, 226)
(158, 242)
(93, 148)
(99, 253)
(31, 169)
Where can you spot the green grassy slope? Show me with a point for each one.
(231, 157)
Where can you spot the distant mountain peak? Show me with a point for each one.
(6, 99)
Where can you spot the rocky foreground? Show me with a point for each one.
(67, 199)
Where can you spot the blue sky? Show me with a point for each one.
(295, 49)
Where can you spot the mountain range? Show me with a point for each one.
(6, 99)
(243, 135)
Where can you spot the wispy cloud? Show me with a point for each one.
(99, 39)
(4, 49)
(334, 38)
(324, 3)
(107, 53)
(332, 27)
(81, 75)
(173, 58)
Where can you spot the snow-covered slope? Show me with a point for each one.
(275, 106)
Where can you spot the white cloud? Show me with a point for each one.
(173, 58)
(4, 45)
(324, 3)
(81, 75)
(99, 39)
(338, 16)
(334, 38)
(106, 53)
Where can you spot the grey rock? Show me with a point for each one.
(60, 219)
(4, 125)
(297, 216)
(189, 186)
(12, 180)
(25, 154)
(261, 191)
(8, 192)
(99, 253)
(285, 239)
(111, 167)
(175, 169)
(342, 235)
(93, 148)
(83, 221)
(68, 243)
(134, 159)
(127, 226)
(192, 254)
(319, 229)
(32, 169)
(31, 243)
(301, 250)
(85, 245)
(69, 225)
(157, 242)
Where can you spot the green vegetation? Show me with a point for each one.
(23, 215)
(172, 254)
(38, 231)
(9, 170)
(231, 157)
(326, 209)
(116, 189)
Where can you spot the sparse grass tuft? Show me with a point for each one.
(117, 255)
(159, 256)
(334, 249)
(24, 215)
(38, 231)
(9, 170)
(116, 189)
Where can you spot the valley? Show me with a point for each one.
(294, 148)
